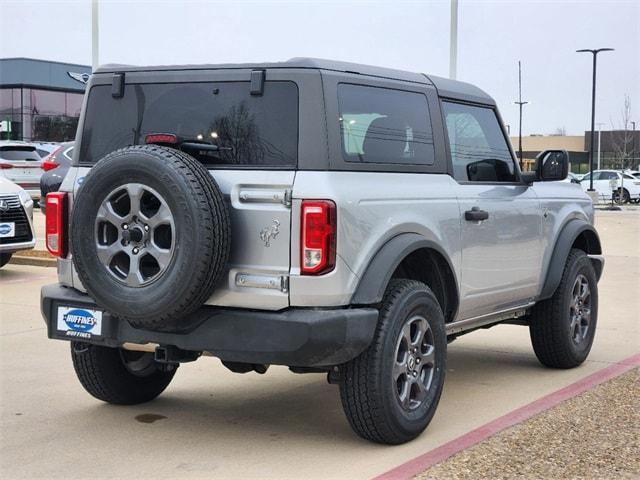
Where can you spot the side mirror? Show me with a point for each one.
(552, 165)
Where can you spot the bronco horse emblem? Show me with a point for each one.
(270, 232)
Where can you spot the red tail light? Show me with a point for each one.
(5, 166)
(49, 162)
(56, 223)
(318, 242)
(160, 138)
(49, 165)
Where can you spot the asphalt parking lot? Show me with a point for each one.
(211, 423)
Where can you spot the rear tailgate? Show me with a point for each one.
(21, 165)
(257, 137)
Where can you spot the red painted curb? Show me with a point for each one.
(437, 455)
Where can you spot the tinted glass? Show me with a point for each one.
(479, 150)
(380, 125)
(607, 176)
(18, 153)
(247, 129)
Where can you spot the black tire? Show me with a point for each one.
(4, 258)
(103, 373)
(370, 398)
(202, 234)
(553, 335)
(625, 196)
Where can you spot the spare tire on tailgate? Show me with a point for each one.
(150, 235)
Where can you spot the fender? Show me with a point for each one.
(564, 242)
(377, 275)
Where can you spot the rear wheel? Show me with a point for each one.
(618, 198)
(390, 392)
(4, 259)
(563, 327)
(119, 376)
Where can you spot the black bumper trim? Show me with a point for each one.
(298, 337)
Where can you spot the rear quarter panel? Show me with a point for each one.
(372, 208)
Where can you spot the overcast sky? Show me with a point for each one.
(493, 36)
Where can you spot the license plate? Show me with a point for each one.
(79, 322)
(7, 230)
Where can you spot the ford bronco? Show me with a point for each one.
(326, 216)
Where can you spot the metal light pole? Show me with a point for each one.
(95, 35)
(520, 103)
(453, 41)
(599, 135)
(634, 140)
(593, 107)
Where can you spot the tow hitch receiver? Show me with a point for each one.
(172, 354)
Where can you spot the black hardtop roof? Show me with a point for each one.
(446, 87)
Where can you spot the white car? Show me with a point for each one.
(16, 220)
(608, 182)
(20, 163)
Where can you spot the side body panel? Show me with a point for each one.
(561, 202)
(501, 255)
(372, 209)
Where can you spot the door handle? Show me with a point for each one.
(475, 215)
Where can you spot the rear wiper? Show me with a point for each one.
(203, 146)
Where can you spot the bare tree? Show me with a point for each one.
(622, 146)
(622, 139)
(560, 132)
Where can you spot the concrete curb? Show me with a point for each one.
(36, 258)
(423, 462)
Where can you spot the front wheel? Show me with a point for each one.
(390, 392)
(119, 376)
(563, 327)
(624, 198)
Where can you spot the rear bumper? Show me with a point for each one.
(295, 337)
(15, 247)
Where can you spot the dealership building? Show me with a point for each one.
(40, 100)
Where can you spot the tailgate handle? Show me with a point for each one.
(265, 196)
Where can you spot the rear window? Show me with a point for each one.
(249, 130)
(381, 125)
(18, 154)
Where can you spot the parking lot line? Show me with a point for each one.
(423, 462)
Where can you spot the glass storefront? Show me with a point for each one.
(39, 115)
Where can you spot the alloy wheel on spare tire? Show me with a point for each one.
(150, 235)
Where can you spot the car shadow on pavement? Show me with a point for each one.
(288, 407)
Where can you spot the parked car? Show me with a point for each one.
(16, 220)
(572, 178)
(20, 163)
(331, 217)
(45, 148)
(55, 166)
(609, 183)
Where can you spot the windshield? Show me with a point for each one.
(246, 130)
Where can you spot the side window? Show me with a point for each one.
(479, 150)
(606, 176)
(381, 125)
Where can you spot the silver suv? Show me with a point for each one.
(326, 216)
